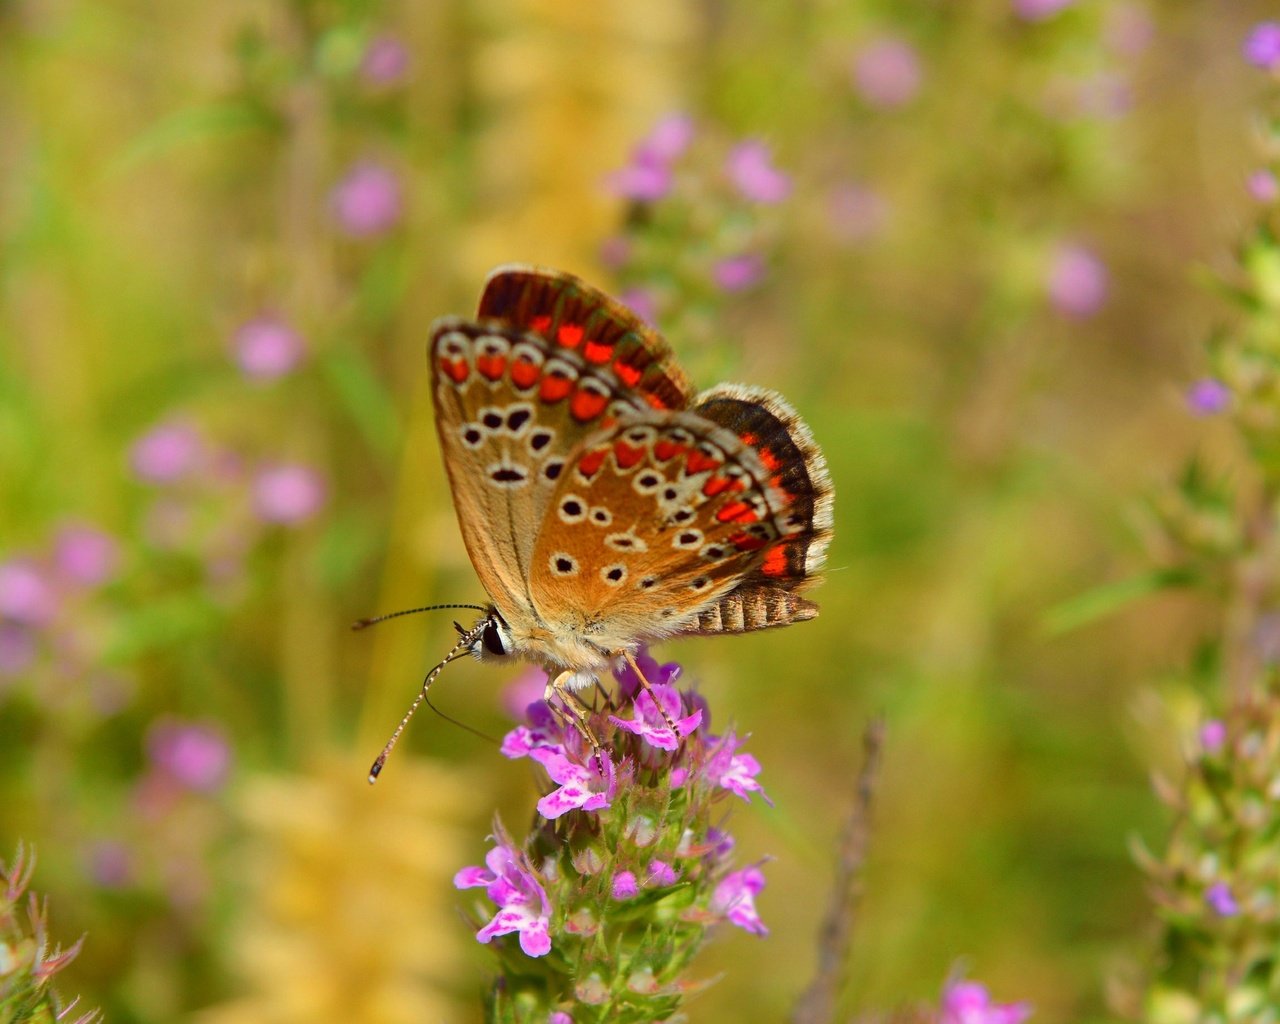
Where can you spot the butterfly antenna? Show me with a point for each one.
(463, 643)
(366, 623)
(460, 724)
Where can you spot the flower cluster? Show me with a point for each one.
(626, 868)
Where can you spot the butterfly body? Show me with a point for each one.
(603, 503)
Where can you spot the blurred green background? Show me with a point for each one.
(226, 229)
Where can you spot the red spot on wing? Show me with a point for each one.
(455, 369)
(749, 439)
(554, 388)
(589, 465)
(665, 450)
(628, 374)
(625, 455)
(747, 542)
(771, 462)
(569, 335)
(491, 367)
(524, 373)
(737, 512)
(540, 323)
(775, 561)
(717, 484)
(587, 405)
(700, 462)
(596, 351)
(655, 400)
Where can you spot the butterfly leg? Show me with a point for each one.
(577, 711)
(648, 688)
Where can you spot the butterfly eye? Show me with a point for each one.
(492, 640)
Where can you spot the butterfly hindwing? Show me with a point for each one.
(510, 408)
(653, 521)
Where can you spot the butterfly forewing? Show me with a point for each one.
(510, 408)
(651, 522)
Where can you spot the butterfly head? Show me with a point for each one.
(490, 638)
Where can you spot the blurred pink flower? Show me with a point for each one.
(1039, 10)
(167, 452)
(525, 689)
(367, 201)
(1262, 185)
(641, 180)
(267, 347)
(288, 494)
(17, 649)
(1208, 397)
(738, 273)
(1077, 281)
(194, 755)
(1212, 735)
(749, 166)
(886, 72)
(624, 885)
(856, 213)
(967, 1002)
(85, 556)
(641, 302)
(522, 901)
(25, 595)
(1262, 47)
(735, 897)
(667, 140)
(385, 61)
(1221, 901)
(110, 864)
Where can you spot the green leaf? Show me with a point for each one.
(1109, 598)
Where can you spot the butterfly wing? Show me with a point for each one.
(654, 520)
(577, 317)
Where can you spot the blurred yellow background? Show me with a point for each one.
(170, 173)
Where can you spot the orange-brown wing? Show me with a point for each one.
(573, 315)
(651, 522)
(510, 408)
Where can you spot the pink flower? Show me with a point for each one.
(967, 1002)
(266, 347)
(641, 302)
(749, 166)
(525, 690)
(1077, 281)
(667, 140)
(385, 61)
(543, 730)
(624, 885)
(1212, 735)
(1207, 397)
(1262, 47)
(886, 72)
(288, 494)
(649, 723)
(580, 787)
(167, 452)
(25, 594)
(733, 771)
(1039, 10)
(85, 556)
(193, 754)
(661, 874)
(738, 273)
(629, 684)
(367, 201)
(642, 180)
(1220, 900)
(735, 897)
(521, 899)
(1262, 186)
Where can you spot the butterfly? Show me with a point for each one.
(603, 503)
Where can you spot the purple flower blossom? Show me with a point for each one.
(1262, 185)
(749, 166)
(641, 302)
(886, 72)
(25, 594)
(738, 273)
(649, 723)
(192, 754)
(522, 902)
(1039, 10)
(658, 675)
(17, 649)
(1262, 47)
(287, 494)
(266, 347)
(735, 897)
(667, 140)
(1077, 281)
(1208, 397)
(385, 61)
(580, 787)
(85, 556)
(642, 180)
(1220, 900)
(166, 453)
(967, 1002)
(624, 885)
(733, 771)
(1212, 735)
(367, 201)
(661, 874)
(559, 1017)
(525, 690)
(543, 730)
